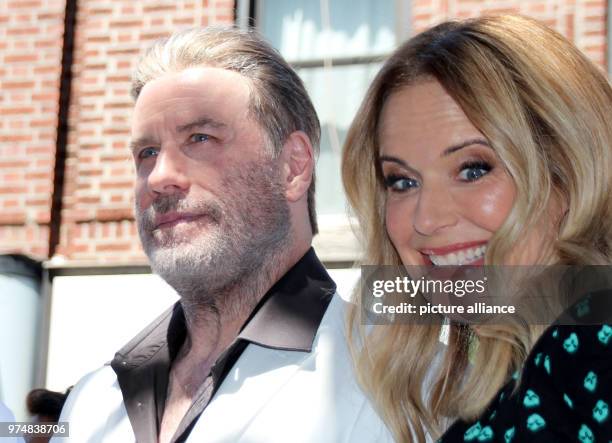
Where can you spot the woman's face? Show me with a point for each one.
(447, 191)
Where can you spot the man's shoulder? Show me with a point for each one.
(95, 407)
(98, 389)
(103, 378)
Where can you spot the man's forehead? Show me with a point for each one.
(196, 82)
(210, 73)
(203, 90)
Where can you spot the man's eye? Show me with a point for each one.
(397, 183)
(146, 153)
(200, 138)
(474, 171)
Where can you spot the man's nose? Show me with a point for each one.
(435, 210)
(168, 176)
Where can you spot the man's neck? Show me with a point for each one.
(211, 329)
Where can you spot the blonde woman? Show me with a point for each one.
(486, 141)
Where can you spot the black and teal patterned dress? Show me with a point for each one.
(565, 393)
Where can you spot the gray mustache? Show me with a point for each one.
(172, 203)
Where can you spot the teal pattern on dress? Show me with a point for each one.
(585, 435)
(555, 333)
(571, 343)
(531, 399)
(590, 381)
(509, 435)
(536, 422)
(486, 434)
(547, 364)
(537, 359)
(583, 308)
(601, 411)
(473, 432)
(568, 401)
(604, 334)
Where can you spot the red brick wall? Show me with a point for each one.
(97, 222)
(97, 217)
(30, 66)
(581, 21)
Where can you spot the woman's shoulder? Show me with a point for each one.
(574, 359)
(581, 345)
(567, 380)
(565, 393)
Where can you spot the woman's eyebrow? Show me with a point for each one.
(473, 141)
(389, 158)
(448, 151)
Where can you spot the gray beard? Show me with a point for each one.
(224, 267)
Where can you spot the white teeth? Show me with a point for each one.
(463, 257)
(442, 261)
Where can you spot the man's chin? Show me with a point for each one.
(173, 238)
(176, 250)
(171, 264)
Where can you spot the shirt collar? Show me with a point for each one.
(287, 317)
(290, 313)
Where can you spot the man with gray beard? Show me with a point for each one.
(224, 139)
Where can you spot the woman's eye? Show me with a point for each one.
(474, 170)
(400, 184)
(146, 153)
(200, 138)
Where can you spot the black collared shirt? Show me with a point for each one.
(287, 318)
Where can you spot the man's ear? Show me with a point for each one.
(298, 162)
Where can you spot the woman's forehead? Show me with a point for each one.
(423, 116)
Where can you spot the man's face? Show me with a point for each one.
(210, 203)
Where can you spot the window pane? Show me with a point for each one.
(336, 94)
(353, 28)
(301, 30)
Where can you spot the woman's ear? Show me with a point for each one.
(297, 165)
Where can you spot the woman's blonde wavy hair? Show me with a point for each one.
(545, 109)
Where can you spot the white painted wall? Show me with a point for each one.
(92, 317)
(19, 319)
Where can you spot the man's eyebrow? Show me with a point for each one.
(204, 121)
(448, 151)
(140, 142)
